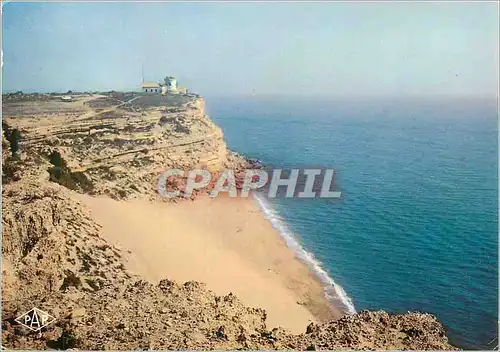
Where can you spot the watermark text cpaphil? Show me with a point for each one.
(289, 183)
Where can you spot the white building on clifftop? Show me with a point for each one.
(168, 87)
(171, 84)
(150, 87)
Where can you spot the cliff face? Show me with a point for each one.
(54, 257)
(121, 142)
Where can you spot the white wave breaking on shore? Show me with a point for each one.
(333, 291)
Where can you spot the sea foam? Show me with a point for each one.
(333, 291)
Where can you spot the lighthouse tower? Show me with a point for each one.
(171, 84)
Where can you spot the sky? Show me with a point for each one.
(326, 49)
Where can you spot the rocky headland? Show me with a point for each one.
(54, 256)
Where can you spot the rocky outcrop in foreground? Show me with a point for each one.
(55, 260)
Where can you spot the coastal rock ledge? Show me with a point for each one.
(55, 259)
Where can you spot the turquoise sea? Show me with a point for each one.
(417, 228)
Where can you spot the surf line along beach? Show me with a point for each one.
(226, 243)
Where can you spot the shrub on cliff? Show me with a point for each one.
(56, 159)
(13, 136)
(14, 139)
(72, 180)
(61, 174)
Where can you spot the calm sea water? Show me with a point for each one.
(417, 228)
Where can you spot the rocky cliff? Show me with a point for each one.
(55, 258)
(119, 143)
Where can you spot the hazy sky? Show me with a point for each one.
(269, 48)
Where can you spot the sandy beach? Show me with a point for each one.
(226, 243)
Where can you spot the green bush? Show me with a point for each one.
(56, 159)
(72, 180)
(13, 136)
(61, 174)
